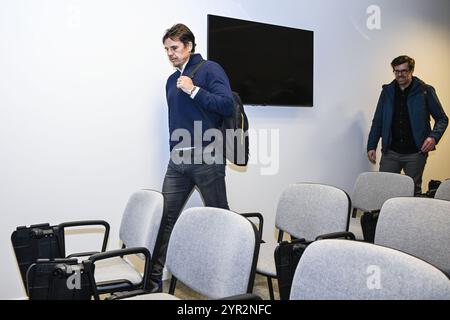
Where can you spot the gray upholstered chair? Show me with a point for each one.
(417, 226)
(443, 191)
(141, 220)
(306, 211)
(212, 251)
(353, 270)
(372, 189)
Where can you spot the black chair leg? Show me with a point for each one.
(172, 285)
(354, 213)
(269, 283)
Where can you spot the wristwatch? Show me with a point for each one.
(192, 91)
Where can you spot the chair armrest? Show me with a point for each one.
(82, 223)
(337, 235)
(82, 254)
(260, 218)
(123, 252)
(119, 253)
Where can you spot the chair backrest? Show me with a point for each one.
(353, 270)
(372, 189)
(141, 219)
(417, 226)
(443, 191)
(307, 210)
(213, 251)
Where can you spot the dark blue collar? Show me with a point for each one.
(193, 60)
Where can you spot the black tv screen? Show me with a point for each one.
(267, 64)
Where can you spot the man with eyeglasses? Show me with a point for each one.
(402, 121)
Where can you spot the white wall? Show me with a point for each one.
(83, 118)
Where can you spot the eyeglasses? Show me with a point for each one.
(403, 71)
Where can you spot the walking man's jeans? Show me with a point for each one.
(412, 164)
(178, 185)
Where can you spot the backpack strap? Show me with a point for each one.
(191, 75)
(197, 66)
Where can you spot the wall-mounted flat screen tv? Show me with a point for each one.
(267, 65)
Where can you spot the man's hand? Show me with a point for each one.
(185, 83)
(372, 156)
(428, 145)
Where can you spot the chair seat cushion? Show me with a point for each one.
(116, 269)
(266, 260)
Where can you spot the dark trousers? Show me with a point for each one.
(412, 164)
(178, 185)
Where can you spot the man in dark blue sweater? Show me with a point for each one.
(402, 121)
(197, 106)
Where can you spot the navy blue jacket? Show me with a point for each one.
(419, 115)
(214, 98)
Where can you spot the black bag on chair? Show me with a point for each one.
(58, 279)
(40, 241)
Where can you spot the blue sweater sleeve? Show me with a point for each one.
(216, 95)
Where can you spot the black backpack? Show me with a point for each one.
(234, 129)
(433, 185)
(369, 222)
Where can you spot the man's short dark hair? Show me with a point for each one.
(404, 59)
(182, 33)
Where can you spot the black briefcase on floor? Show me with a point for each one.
(369, 224)
(58, 279)
(40, 241)
(287, 256)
